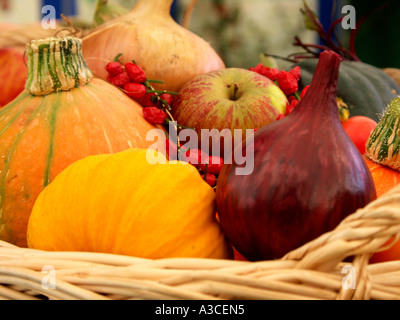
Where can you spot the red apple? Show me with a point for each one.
(13, 73)
(231, 98)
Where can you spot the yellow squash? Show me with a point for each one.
(125, 204)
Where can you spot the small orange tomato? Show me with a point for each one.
(359, 128)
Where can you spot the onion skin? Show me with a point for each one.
(148, 35)
(307, 177)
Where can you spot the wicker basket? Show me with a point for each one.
(334, 266)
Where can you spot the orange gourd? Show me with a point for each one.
(132, 203)
(63, 115)
(382, 157)
(384, 177)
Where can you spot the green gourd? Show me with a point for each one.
(384, 142)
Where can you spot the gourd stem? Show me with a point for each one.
(55, 64)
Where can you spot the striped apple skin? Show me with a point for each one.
(208, 101)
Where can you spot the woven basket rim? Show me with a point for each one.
(317, 270)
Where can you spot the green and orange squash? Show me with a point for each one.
(62, 116)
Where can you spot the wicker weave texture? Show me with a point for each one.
(333, 266)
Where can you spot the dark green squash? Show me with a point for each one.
(366, 89)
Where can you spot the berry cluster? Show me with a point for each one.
(288, 82)
(208, 166)
(132, 79)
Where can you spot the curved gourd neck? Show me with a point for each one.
(150, 8)
(55, 64)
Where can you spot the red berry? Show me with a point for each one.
(113, 68)
(288, 109)
(303, 93)
(154, 115)
(194, 156)
(214, 165)
(281, 116)
(120, 80)
(211, 179)
(270, 73)
(296, 72)
(287, 82)
(258, 68)
(147, 100)
(135, 90)
(293, 104)
(169, 98)
(135, 72)
(171, 149)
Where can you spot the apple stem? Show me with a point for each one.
(236, 88)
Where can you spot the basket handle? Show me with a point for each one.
(362, 233)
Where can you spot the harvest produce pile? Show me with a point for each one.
(103, 147)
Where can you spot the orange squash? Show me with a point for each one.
(132, 203)
(64, 115)
(384, 177)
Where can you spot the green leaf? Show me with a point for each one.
(268, 61)
(311, 20)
